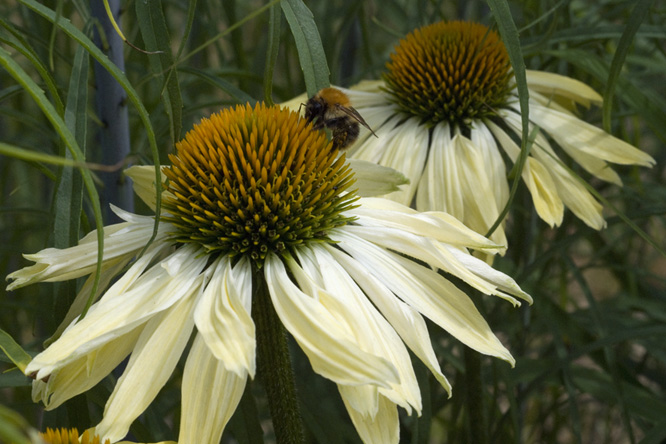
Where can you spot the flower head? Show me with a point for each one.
(447, 116)
(255, 197)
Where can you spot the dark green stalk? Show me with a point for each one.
(274, 368)
(476, 414)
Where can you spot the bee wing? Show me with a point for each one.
(351, 112)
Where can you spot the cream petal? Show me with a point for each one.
(325, 337)
(375, 180)
(483, 140)
(85, 372)
(143, 183)
(439, 188)
(481, 208)
(429, 293)
(406, 321)
(211, 394)
(430, 252)
(121, 241)
(155, 355)
(382, 428)
(501, 281)
(124, 307)
(433, 224)
(551, 84)
(571, 189)
(223, 318)
(574, 134)
(368, 86)
(395, 139)
(536, 176)
(370, 329)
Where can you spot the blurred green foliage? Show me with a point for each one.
(590, 352)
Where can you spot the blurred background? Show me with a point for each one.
(590, 351)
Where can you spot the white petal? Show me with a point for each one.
(481, 208)
(85, 372)
(429, 293)
(324, 337)
(551, 84)
(143, 183)
(382, 428)
(439, 188)
(375, 180)
(406, 321)
(401, 145)
(51, 264)
(370, 329)
(483, 140)
(155, 355)
(536, 176)
(223, 316)
(123, 307)
(437, 225)
(574, 134)
(571, 189)
(210, 396)
(433, 253)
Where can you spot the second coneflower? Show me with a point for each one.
(447, 108)
(261, 229)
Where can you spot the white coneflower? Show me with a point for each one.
(447, 108)
(259, 215)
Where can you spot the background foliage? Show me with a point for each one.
(590, 352)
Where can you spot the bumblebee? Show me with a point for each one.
(332, 109)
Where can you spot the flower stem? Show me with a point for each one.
(475, 406)
(274, 368)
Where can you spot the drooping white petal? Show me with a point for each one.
(382, 428)
(375, 180)
(481, 208)
(223, 318)
(571, 189)
(433, 253)
(483, 140)
(370, 329)
(551, 84)
(121, 241)
(124, 306)
(406, 321)
(575, 134)
(143, 183)
(211, 394)
(153, 359)
(85, 372)
(428, 292)
(439, 188)
(540, 184)
(324, 336)
(433, 224)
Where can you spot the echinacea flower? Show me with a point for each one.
(447, 108)
(255, 198)
(71, 436)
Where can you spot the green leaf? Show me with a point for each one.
(638, 16)
(156, 37)
(273, 46)
(308, 44)
(14, 352)
(237, 94)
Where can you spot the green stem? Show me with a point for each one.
(274, 368)
(475, 408)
